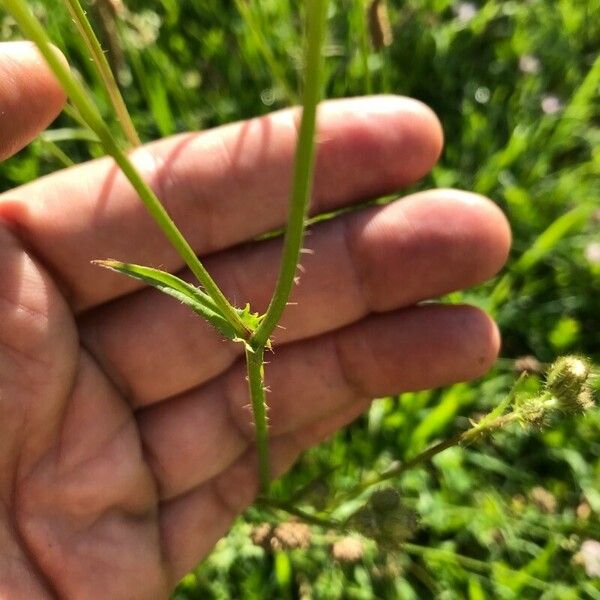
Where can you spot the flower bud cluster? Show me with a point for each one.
(567, 389)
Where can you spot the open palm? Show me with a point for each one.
(125, 438)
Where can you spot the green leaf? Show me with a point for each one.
(200, 302)
(250, 320)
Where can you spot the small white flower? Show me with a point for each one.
(590, 557)
(529, 64)
(592, 253)
(464, 11)
(551, 104)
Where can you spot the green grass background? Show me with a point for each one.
(490, 70)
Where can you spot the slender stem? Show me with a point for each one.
(303, 170)
(255, 367)
(463, 437)
(88, 111)
(32, 28)
(459, 438)
(292, 509)
(301, 187)
(104, 71)
(494, 420)
(71, 112)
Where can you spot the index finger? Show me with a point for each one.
(222, 187)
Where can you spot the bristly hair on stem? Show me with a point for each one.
(303, 169)
(298, 207)
(104, 71)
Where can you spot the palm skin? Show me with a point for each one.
(126, 446)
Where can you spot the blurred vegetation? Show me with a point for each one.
(517, 86)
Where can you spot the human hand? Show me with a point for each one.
(125, 442)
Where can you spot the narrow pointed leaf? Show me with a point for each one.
(175, 287)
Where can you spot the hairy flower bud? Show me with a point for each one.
(567, 380)
(533, 412)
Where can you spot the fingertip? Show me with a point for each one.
(483, 341)
(414, 135)
(379, 143)
(431, 129)
(416, 126)
(30, 96)
(492, 236)
(475, 225)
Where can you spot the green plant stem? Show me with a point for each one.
(293, 510)
(104, 71)
(303, 171)
(73, 113)
(492, 421)
(54, 149)
(90, 114)
(301, 187)
(463, 437)
(255, 368)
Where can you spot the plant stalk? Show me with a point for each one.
(104, 71)
(463, 437)
(292, 509)
(303, 170)
(301, 188)
(256, 383)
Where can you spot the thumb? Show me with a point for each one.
(30, 96)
